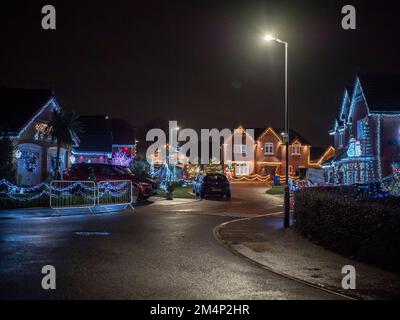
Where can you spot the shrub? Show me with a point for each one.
(367, 230)
(6, 157)
(141, 167)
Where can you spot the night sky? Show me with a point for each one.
(202, 63)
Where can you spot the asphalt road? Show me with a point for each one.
(161, 251)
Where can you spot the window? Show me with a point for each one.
(360, 129)
(269, 148)
(340, 139)
(290, 169)
(239, 148)
(296, 149)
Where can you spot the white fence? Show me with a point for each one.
(88, 194)
(114, 193)
(72, 194)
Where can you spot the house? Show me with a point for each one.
(25, 120)
(366, 131)
(105, 140)
(268, 154)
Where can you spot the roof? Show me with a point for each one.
(20, 105)
(293, 135)
(120, 130)
(382, 91)
(316, 153)
(123, 133)
(95, 143)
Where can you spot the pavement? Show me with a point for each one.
(159, 251)
(263, 241)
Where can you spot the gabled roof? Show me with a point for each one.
(101, 143)
(344, 111)
(382, 91)
(121, 131)
(316, 153)
(18, 106)
(293, 135)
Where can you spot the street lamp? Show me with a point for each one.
(285, 134)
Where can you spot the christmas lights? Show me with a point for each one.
(30, 160)
(121, 158)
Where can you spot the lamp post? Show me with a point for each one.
(285, 134)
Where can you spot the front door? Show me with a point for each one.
(242, 169)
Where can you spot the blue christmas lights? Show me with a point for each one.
(77, 188)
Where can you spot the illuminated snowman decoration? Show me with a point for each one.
(354, 149)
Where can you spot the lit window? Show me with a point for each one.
(296, 150)
(269, 148)
(360, 129)
(239, 148)
(290, 169)
(340, 139)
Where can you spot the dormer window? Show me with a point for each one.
(269, 148)
(296, 149)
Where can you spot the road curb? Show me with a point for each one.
(229, 247)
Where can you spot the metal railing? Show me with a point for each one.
(88, 194)
(72, 194)
(115, 192)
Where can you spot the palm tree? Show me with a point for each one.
(65, 128)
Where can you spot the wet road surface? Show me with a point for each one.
(161, 251)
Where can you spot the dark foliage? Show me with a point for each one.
(141, 167)
(367, 230)
(6, 158)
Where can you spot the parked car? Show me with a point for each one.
(211, 184)
(104, 172)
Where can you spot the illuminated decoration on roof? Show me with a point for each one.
(52, 102)
(90, 153)
(43, 131)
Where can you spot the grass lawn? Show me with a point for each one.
(180, 192)
(276, 190)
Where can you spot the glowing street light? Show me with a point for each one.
(285, 135)
(268, 37)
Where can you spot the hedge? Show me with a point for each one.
(367, 230)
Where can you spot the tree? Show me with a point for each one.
(6, 158)
(141, 167)
(65, 128)
(214, 167)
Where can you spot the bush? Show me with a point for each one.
(7, 203)
(141, 167)
(6, 157)
(367, 230)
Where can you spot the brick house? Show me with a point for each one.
(366, 131)
(269, 153)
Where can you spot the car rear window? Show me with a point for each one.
(216, 177)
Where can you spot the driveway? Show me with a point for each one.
(161, 251)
